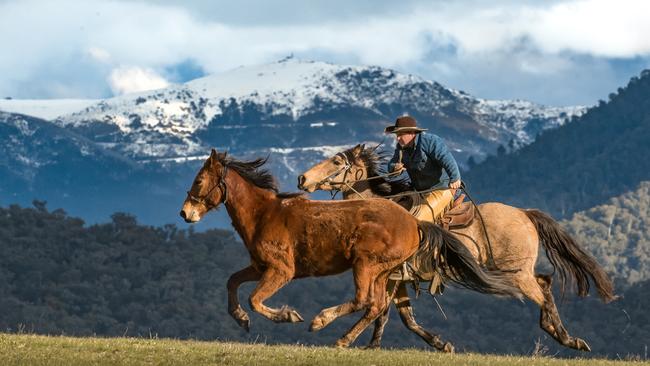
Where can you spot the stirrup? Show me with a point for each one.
(436, 287)
(402, 274)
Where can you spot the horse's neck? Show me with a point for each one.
(245, 204)
(359, 190)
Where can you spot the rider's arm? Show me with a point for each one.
(439, 151)
(394, 160)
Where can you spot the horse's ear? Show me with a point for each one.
(356, 151)
(213, 155)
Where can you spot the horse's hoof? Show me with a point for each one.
(245, 323)
(581, 345)
(373, 346)
(287, 315)
(294, 317)
(317, 324)
(448, 348)
(241, 317)
(341, 344)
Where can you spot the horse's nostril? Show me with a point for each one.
(183, 214)
(301, 180)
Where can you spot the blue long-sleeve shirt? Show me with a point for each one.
(429, 162)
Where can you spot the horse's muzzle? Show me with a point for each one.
(187, 218)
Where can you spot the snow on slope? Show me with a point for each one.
(516, 115)
(286, 87)
(293, 85)
(45, 108)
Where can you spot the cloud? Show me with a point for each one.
(133, 79)
(596, 27)
(447, 41)
(99, 54)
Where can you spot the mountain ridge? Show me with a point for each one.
(216, 110)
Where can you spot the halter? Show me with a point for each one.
(222, 187)
(345, 168)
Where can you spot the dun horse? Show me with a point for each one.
(288, 236)
(515, 235)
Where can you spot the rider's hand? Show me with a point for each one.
(455, 185)
(398, 167)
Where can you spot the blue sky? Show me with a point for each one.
(551, 52)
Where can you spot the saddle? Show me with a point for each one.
(460, 215)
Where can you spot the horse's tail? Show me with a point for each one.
(569, 259)
(455, 263)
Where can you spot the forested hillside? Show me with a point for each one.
(618, 233)
(579, 165)
(121, 278)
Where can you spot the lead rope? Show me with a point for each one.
(487, 237)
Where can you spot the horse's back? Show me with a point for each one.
(373, 225)
(513, 239)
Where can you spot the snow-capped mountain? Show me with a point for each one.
(299, 104)
(138, 153)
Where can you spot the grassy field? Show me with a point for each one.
(43, 350)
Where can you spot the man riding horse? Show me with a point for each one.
(512, 246)
(429, 164)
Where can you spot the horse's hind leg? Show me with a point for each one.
(380, 323)
(272, 280)
(363, 281)
(550, 318)
(376, 306)
(403, 304)
(234, 308)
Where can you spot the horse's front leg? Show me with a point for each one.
(272, 280)
(235, 310)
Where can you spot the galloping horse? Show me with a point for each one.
(288, 236)
(514, 238)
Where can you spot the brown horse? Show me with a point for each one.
(514, 238)
(288, 236)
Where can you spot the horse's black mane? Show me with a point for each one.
(375, 165)
(252, 171)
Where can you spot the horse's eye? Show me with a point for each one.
(337, 162)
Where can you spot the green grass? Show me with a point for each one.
(47, 350)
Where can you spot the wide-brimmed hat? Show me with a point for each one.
(404, 124)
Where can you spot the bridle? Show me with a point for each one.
(345, 168)
(336, 186)
(222, 187)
